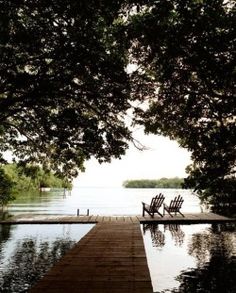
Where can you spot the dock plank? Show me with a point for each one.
(93, 218)
(60, 219)
(110, 258)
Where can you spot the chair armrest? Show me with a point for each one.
(146, 206)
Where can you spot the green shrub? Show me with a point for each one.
(6, 186)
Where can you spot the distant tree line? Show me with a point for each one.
(15, 179)
(155, 183)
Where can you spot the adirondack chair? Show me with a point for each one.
(154, 206)
(174, 207)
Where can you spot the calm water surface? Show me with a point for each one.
(28, 251)
(181, 258)
(191, 258)
(100, 201)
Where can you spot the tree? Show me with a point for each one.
(6, 186)
(154, 183)
(185, 56)
(32, 177)
(63, 85)
(64, 90)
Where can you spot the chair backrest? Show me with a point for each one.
(156, 202)
(159, 200)
(176, 203)
(153, 202)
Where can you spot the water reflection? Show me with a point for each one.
(27, 252)
(176, 232)
(4, 233)
(194, 258)
(158, 238)
(29, 263)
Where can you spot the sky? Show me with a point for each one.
(163, 158)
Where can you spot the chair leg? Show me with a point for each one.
(159, 214)
(169, 213)
(181, 214)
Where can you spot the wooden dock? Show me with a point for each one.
(94, 219)
(110, 258)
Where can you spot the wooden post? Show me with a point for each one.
(78, 212)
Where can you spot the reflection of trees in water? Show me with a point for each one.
(158, 238)
(5, 233)
(29, 262)
(215, 254)
(176, 233)
(216, 262)
(218, 240)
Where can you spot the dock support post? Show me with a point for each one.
(78, 212)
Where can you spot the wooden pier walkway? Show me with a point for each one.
(94, 219)
(109, 259)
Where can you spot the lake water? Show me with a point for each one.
(28, 251)
(191, 258)
(99, 201)
(181, 258)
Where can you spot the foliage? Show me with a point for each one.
(6, 186)
(63, 92)
(155, 183)
(185, 55)
(32, 177)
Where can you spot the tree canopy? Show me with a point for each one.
(65, 90)
(185, 53)
(30, 178)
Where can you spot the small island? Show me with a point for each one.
(174, 182)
